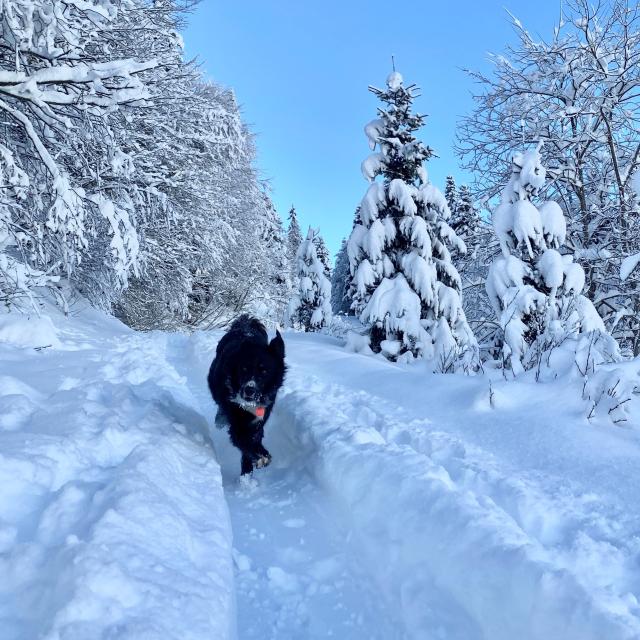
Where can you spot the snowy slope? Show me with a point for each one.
(112, 517)
(399, 504)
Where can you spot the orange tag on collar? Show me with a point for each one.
(260, 411)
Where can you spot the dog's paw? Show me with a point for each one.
(247, 484)
(263, 460)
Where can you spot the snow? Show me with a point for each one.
(628, 265)
(396, 305)
(372, 165)
(554, 225)
(527, 226)
(394, 80)
(399, 504)
(28, 330)
(404, 196)
(574, 278)
(373, 130)
(112, 516)
(551, 269)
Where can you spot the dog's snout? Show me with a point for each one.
(250, 391)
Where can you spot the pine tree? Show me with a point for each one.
(323, 253)
(400, 260)
(451, 194)
(294, 240)
(340, 280)
(473, 267)
(465, 219)
(310, 307)
(536, 291)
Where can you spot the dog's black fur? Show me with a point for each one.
(247, 372)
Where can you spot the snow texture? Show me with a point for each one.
(393, 509)
(112, 516)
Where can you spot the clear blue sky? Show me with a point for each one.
(300, 71)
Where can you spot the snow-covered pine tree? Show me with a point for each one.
(465, 218)
(451, 194)
(536, 291)
(323, 254)
(310, 306)
(400, 260)
(340, 279)
(294, 240)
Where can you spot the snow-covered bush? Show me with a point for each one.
(609, 392)
(310, 306)
(405, 287)
(535, 290)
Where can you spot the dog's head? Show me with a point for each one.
(257, 373)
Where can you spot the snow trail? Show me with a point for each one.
(296, 573)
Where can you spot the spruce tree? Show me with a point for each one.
(294, 240)
(405, 284)
(276, 285)
(323, 253)
(451, 194)
(310, 306)
(340, 280)
(535, 290)
(465, 219)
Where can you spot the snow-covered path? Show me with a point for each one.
(296, 572)
(295, 575)
(398, 504)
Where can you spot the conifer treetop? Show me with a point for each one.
(400, 154)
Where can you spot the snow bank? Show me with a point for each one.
(112, 516)
(22, 330)
(455, 543)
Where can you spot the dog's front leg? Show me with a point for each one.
(248, 438)
(246, 464)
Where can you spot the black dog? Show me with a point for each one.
(244, 380)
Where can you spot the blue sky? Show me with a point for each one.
(301, 70)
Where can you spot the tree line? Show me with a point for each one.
(128, 175)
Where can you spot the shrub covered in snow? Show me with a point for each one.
(404, 285)
(310, 307)
(535, 290)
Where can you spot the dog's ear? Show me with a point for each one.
(276, 346)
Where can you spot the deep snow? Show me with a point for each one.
(399, 504)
